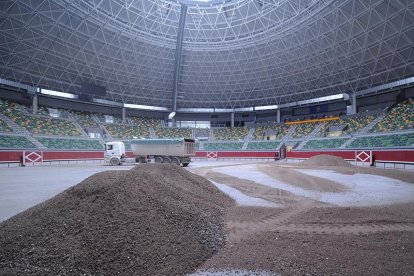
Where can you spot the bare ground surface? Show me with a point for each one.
(310, 238)
(299, 179)
(155, 219)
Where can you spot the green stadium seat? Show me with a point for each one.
(260, 131)
(225, 146)
(171, 132)
(383, 141)
(401, 117)
(70, 144)
(230, 133)
(15, 142)
(271, 145)
(325, 143)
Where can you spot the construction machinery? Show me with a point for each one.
(177, 151)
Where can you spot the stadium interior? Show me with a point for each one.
(207, 137)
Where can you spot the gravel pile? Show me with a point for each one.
(156, 219)
(326, 160)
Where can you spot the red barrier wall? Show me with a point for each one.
(59, 155)
(9, 156)
(379, 155)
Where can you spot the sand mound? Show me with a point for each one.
(155, 219)
(325, 160)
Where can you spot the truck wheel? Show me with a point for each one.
(114, 162)
(158, 159)
(176, 161)
(166, 160)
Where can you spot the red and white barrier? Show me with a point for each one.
(32, 157)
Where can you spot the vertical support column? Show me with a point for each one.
(178, 54)
(35, 102)
(354, 104)
(278, 115)
(123, 115)
(232, 119)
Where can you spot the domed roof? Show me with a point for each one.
(235, 53)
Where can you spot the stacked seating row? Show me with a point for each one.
(39, 125)
(401, 117)
(384, 141)
(272, 145)
(146, 122)
(230, 133)
(70, 144)
(4, 127)
(173, 132)
(325, 143)
(353, 124)
(15, 142)
(303, 130)
(85, 119)
(127, 131)
(217, 146)
(280, 130)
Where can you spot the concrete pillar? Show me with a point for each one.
(354, 104)
(278, 115)
(123, 115)
(35, 102)
(232, 119)
(173, 122)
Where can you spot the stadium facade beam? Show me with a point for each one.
(178, 54)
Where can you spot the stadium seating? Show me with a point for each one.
(226, 146)
(85, 119)
(127, 131)
(303, 130)
(260, 131)
(15, 142)
(39, 125)
(4, 127)
(102, 119)
(230, 133)
(175, 132)
(382, 141)
(325, 143)
(401, 117)
(42, 111)
(272, 145)
(72, 144)
(146, 122)
(354, 124)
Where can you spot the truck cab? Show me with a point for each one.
(115, 153)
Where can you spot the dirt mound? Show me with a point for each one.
(325, 160)
(155, 219)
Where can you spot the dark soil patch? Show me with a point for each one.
(155, 219)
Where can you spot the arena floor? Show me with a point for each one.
(289, 219)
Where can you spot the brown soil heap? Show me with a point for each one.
(326, 160)
(155, 219)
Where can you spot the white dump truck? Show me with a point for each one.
(177, 151)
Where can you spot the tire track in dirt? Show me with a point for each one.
(296, 206)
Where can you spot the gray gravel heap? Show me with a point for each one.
(155, 219)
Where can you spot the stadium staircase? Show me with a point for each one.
(19, 130)
(75, 122)
(152, 133)
(288, 136)
(363, 131)
(101, 126)
(311, 135)
(248, 138)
